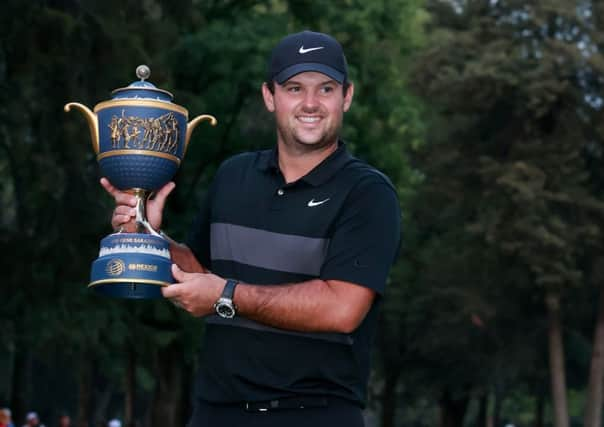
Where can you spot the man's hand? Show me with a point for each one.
(124, 214)
(194, 292)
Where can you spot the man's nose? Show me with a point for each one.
(311, 101)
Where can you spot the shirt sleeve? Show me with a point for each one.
(366, 238)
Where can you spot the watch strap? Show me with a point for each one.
(229, 289)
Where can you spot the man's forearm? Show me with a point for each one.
(182, 256)
(312, 306)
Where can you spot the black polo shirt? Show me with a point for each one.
(341, 221)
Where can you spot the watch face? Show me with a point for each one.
(225, 310)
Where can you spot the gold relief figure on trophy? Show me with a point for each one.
(155, 134)
(115, 133)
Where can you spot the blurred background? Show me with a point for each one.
(487, 116)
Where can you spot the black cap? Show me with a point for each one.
(307, 51)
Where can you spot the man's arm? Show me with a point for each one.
(183, 257)
(312, 306)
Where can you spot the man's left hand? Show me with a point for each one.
(194, 292)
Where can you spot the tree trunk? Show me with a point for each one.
(452, 411)
(391, 353)
(388, 399)
(84, 392)
(483, 406)
(539, 410)
(168, 390)
(129, 385)
(102, 399)
(556, 361)
(185, 408)
(496, 421)
(593, 405)
(22, 378)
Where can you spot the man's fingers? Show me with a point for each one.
(107, 186)
(160, 197)
(176, 303)
(178, 274)
(165, 190)
(122, 215)
(119, 221)
(171, 291)
(121, 198)
(125, 210)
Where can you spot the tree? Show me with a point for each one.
(512, 81)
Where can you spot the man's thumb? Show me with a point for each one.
(179, 275)
(163, 193)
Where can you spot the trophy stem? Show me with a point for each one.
(142, 225)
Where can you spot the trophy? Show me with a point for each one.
(139, 137)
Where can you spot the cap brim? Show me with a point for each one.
(289, 72)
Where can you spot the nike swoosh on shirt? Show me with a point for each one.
(310, 49)
(312, 203)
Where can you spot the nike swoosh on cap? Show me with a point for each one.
(310, 49)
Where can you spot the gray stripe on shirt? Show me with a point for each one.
(266, 249)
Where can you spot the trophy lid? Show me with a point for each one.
(142, 89)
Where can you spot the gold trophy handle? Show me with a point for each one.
(91, 118)
(193, 123)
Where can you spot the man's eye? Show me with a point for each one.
(327, 89)
(293, 89)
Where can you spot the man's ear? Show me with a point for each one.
(348, 96)
(269, 99)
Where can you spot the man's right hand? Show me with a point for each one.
(124, 214)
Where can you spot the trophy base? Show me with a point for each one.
(131, 290)
(132, 265)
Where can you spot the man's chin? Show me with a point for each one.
(310, 140)
(315, 145)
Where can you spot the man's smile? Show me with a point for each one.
(309, 119)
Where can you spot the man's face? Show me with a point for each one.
(308, 109)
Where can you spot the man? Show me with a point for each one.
(4, 418)
(64, 421)
(32, 420)
(7, 416)
(288, 258)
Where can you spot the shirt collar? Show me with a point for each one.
(268, 161)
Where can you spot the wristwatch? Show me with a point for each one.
(224, 306)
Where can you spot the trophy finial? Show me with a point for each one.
(143, 72)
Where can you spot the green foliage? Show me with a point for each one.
(212, 56)
(511, 199)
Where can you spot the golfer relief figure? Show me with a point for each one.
(288, 257)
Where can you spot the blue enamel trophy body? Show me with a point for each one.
(140, 137)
